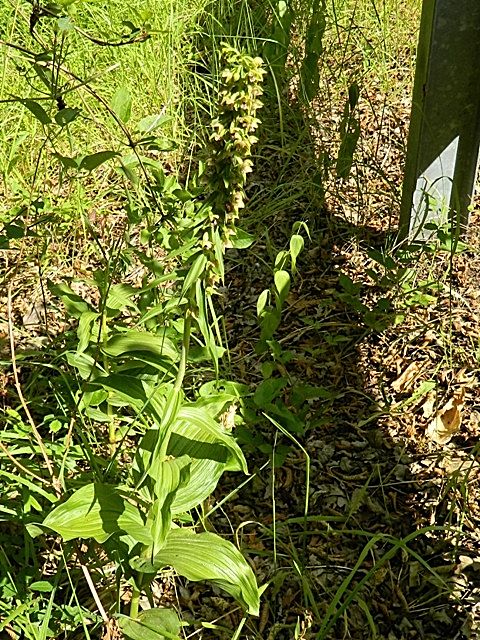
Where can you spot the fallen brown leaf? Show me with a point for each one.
(428, 406)
(404, 382)
(447, 421)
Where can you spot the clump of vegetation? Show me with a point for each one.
(132, 355)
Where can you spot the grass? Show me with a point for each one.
(318, 523)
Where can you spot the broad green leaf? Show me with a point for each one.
(42, 586)
(353, 95)
(84, 364)
(120, 296)
(74, 303)
(303, 392)
(63, 3)
(173, 303)
(67, 162)
(313, 49)
(84, 331)
(97, 511)
(206, 556)
(200, 354)
(65, 23)
(296, 247)
(94, 160)
(203, 324)
(276, 47)
(242, 239)
(98, 415)
(310, 75)
(155, 143)
(196, 423)
(219, 251)
(14, 231)
(299, 224)
(269, 324)
(122, 104)
(147, 461)
(347, 149)
(135, 393)
(181, 444)
(208, 461)
(65, 116)
(134, 365)
(128, 170)
(230, 390)
(33, 529)
(182, 194)
(34, 488)
(170, 475)
(195, 272)
(215, 403)
(282, 285)
(133, 340)
(262, 302)
(268, 390)
(351, 287)
(126, 388)
(38, 111)
(197, 435)
(132, 160)
(204, 477)
(152, 624)
(281, 259)
(287, 418)
(172, 406)
(44, 74)
(150, 123)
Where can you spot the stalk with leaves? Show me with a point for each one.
(184, 450)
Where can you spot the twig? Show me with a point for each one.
(20, 466)
(94, 593)
(18, 388)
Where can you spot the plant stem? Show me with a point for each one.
(112, 433)
(182, 366)
(134, 602)
(170, 413)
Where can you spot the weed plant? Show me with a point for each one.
(126, 451)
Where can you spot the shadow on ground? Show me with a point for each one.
(361, 557)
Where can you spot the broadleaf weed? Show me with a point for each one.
(132, 352)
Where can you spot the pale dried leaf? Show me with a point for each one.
(405, 381)
(447, 421)
(227, 419)
(428, 407)
(35, 316)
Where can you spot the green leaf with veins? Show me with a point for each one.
(206, 556)
(152, 624)
(98, 511)
(170, 475)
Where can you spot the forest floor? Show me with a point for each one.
(393, 514)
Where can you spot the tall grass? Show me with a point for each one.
(157, 72)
